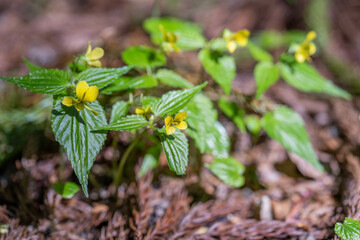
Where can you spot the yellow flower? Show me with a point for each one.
(178, 121)
(141, 111)
(92, 56)
(84, 95)
(306, 48)
(169, 40)
(240, 38)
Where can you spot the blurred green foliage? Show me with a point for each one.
(17, 123)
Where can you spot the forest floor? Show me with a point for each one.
(283, 198)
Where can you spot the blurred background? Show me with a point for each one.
(50, 32)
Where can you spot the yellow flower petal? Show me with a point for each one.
(81, 89)
(139, 110)
(147, 110)
(176, 49)
(79, 106)
(231, 46)
(91, 94)
(170, 130)
(168, 121)
(242, 37)
(95, 63)
(172, 38)
(93, 111)
(311, 36)
(181, 116)
(96, 54)
(300, 57)
(181, 125)
(88, 50)
(242, 42)
(311, 48)
(68, 101)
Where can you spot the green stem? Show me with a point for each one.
(131, 97)
(149, 71)
(123, 159)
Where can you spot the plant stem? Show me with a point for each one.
(125, 156)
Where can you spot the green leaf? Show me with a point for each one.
(176, 149)
(101, 77)
(350, 230)
(171, 102)
(127, 123)
(266, 74)
(287, 127)
(172, 79)
(229, 170)
(72, 129)
(49, 81)
(151, 160)
(149, 101)
(119, 109)
(306, 78)
(143, 57)
(259, 54)
(220, 66)
(217, 141)
(253, 123)
(218, 44)
(66, 190)
(231, 110)
(127, 83)
(32, 67)
(209, 135)
(189, 34)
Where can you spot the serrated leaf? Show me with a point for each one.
(189, 34)
(127, 83)
(220, 66)
(231, 110)
(350, 230)
(72, 129)
(151, 160)
(66, 190)
(119, 109)
(127, 123)
(49, 81)
(172, 79)
(176, 149)
(32, 67)
(306, 78)
(229, 170)
(149, 101)
(259, 54)
(201, 116)
(101, 77)
(287, 127)
(266, 74)
(143, 57)
(217, 141)
(209, 135)
(171, 102)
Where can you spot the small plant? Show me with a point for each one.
(80, 123)
(349, 230)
